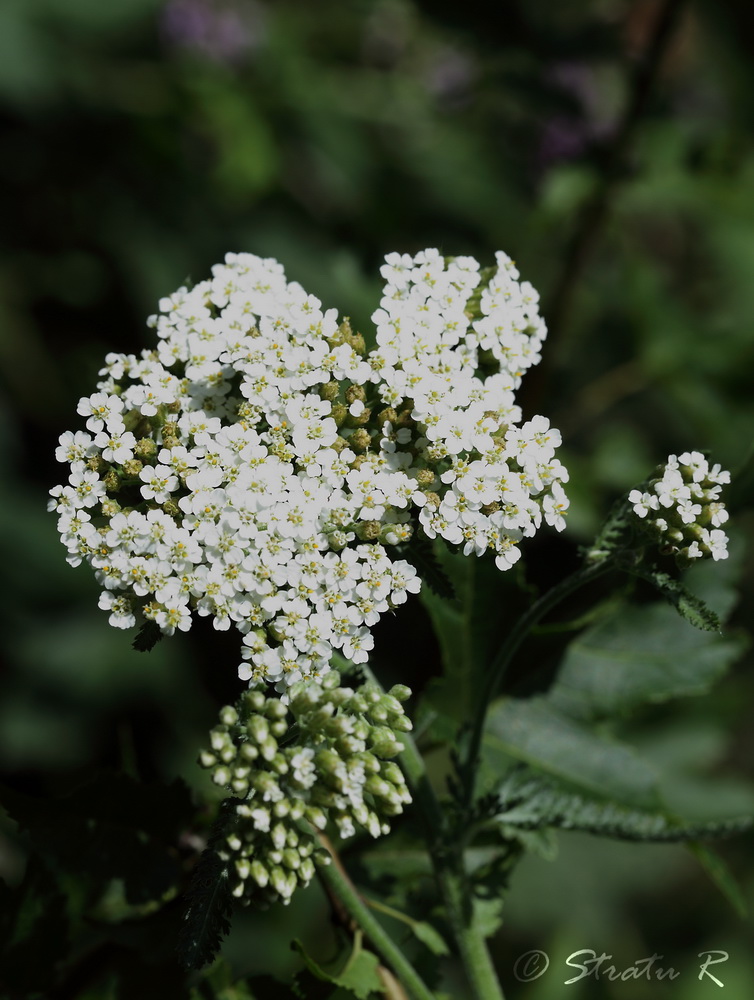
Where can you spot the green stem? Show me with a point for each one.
(388, 950)
(472, 945)
(451, 878)
(450, 875)
(505, 654)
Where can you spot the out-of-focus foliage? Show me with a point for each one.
(145, 138)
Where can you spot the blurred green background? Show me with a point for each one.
(145, 138)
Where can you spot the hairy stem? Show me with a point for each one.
(450, 875)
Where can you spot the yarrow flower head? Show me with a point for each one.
(333, 767)
(260, 467)
(681, 507)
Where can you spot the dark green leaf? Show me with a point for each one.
(147, 637)
(531, 802)
(358, 975)
(643, 654)
(536, 733)
(209, 900)
(422, 556)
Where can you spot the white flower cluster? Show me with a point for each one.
(322, 758)
(683, 508)
(257, 465)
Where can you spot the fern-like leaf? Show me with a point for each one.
(147, 637)
(209, 901)
(532, 803)
(421, 555)
(688, 605)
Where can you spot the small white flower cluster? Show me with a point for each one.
(494, 478)
(682, 507)
(336, 769)
(256, 467)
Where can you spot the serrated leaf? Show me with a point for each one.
(209, 900)
(359, 975)
(487, 915)
(641, 655)
(535, 732)
(208, 911)
(532, 802)
(422, 556)
(147, 637)
(688, 605)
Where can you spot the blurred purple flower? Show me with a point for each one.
(567, 136)
(225, 31)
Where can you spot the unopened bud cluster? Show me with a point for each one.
(324, 757)
(681, 507)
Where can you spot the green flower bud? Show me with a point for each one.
(330, 391)
(392, 773)
(355, 393)
(376, 786)
(297, 810)
(275, 709)
(348, 745)
(145, 448)
(339, 413)
(400, 692)
(402, 723)
(360, 440)
(254, 701)
(307, 870)
(389, 414)
(291, 858)
(132, 468)
(218, 738)
(368, 531)
(111, 481)
(259, 873)
(384, 743)
(228, 716)
(279, 764)
(248, 751)
(316, 816)
(264, 783)
(258, 728)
